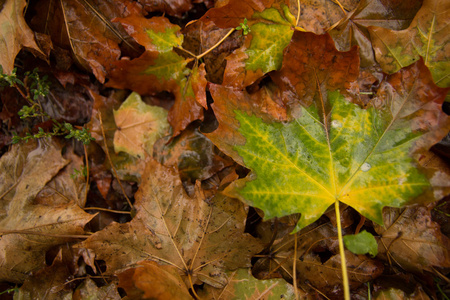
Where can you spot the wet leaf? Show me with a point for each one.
(152, 281)
(412, 240)
(15, 33)
(311, 66)
(138, 126)
(162, 69)
(336, 151)
(173, 8)
(270, 33)
(199, 239)
(27, 169)
(426, 37)
(394, 15)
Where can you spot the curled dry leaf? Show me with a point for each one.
(27, 168)
(15, 33)
(201, 240)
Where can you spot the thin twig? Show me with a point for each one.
(217, 44)
(110, 161)
(108, 210)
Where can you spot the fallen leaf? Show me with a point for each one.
(426, 37)
(200, 239)
(27, 169)
(411, 240)
(152, 281)
(270, 33)
(394, 15)
(160, 69)
(311, 66)
(173, 8)
(15, 34)
(242, 285)
(138, 126)
(334, 150)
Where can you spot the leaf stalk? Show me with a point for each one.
(341, 252)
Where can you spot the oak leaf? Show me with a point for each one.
(15, 33)
(200, 239)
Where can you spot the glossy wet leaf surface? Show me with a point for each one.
(336, 151)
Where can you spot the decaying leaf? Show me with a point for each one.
(334, 150)
(426, 37)
(15, 33)
(27, 168)
(138, 126)
(200, 239)
(411, 240)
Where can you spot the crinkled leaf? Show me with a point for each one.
(412, 240)
(27, 168)
(160, 68)
(138, 126)
(426, 37)
(361, 243)
(336, 151)
(395, 15)
(15, 33)
(198, 238)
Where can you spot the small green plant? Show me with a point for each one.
(244, 27)
(32, 88)
(77, 173)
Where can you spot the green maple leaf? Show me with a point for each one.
(271, 33)
(427, 37)
(335, 150)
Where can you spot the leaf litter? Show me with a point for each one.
(185, 230)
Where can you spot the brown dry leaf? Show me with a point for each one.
(15, 33)
(27, 168)
(200, 239)
(411, 240)
(152, 281)
(65, 187)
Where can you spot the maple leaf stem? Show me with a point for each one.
(298, 13)
(216, 45)
(294, 272)
(341, 252)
